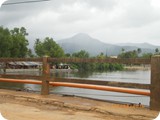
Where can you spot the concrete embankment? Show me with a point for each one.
(58, 107)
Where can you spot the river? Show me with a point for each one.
(137, 76)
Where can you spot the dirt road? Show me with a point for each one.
(16, 105)
(22, 112)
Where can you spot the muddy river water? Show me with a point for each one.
(136, 76)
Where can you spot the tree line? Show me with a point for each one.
(14, 44)
(137, 53)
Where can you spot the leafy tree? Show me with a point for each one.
(101, 66)
(38, 47)
(68, 55)
(147, 55)
(19, 42)
(49, 47)
(13, 42)
(101, 55)
(82, 66)
(94, 66)
(30, 54)
(81, 54)
(129, 54)
(107, 66)
(5, 42)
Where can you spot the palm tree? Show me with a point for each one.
(156, 51)
(122, 50)
(139, 50)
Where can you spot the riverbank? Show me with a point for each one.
(137, 67)
(18, 105)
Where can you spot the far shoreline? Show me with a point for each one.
(137, 67)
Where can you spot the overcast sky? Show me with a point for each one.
(111, 21)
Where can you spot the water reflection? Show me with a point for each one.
(103, 95)
(35, 72)
(70, 74)
(137, 76)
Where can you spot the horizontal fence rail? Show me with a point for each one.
(20, 59)
(86, 86)
(81, 81)
(104, 83)
(107, 60)
(105, 88)
(27, 81)
(84, 60)
(21, 76)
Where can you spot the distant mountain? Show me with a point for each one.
(139, 45)
(83, 41)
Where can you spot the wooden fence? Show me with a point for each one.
(154, 87)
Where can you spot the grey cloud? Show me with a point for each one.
(139, 13)
(18, 12)
(114, 20)
(21, 11)
(101, 4)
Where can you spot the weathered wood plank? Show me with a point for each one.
(83, 60)
(107, 60)
(155, 83)
(21, 76)
(20, 59)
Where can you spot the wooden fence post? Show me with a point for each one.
(46, 73)
(155, 83)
